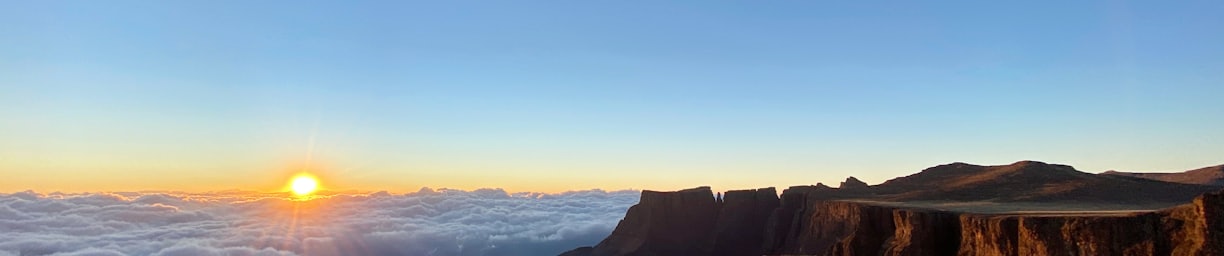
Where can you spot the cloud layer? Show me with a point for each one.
(428, 222)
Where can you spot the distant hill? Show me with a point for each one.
(1211, 176)
(1030, 181)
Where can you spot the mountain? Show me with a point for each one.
(904, 216)
(1030, 181)
(1211, 176)
(691, 222)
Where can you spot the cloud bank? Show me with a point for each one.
(428, 222)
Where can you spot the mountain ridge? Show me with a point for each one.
(891, 219)
(1212, 176)
(1029, 181)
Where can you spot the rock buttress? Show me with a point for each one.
(1089, 235)
(1196, 228)
(740, 229)
(988, 235)
(924, 232)
(810, 220)
(665, 223)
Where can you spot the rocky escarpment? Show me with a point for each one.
(743, 214)
(820, 220)
(666, 223)
(691, 222)
(1191, 229)
(841, 227)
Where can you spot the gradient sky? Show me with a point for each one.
(560, 95)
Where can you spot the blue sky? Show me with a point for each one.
(558, 95)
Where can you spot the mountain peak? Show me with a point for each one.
(852, 183)
(1026, 163)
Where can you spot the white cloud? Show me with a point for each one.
(428, 222)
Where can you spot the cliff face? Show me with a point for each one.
(666, 223)
(744, 214)
(691, 222)
(847, 227)
(1062, 235)
(924, 233)
(1198, 228)
(928, 213)
(807, 222)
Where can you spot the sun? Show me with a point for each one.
(303, 184)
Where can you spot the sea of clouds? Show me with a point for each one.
(428, 222)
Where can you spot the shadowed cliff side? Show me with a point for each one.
(691, 222)
(819, 220)
(741, 220)
(665, 223)
(836, 227)
(1191, 229)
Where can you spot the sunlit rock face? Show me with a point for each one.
(428, 222)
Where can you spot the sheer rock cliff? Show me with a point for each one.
(856, 220)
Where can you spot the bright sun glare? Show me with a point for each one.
(303, 184)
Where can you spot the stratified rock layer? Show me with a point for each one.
(920, 232)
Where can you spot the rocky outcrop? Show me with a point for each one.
(741, 221)
(811, 224)
(923, 232)
(692, 222)
(860, 220)
(1087, 235)
(987, 235)
(845, 227)
(665, 223)
(801, 225)
(853, 183)
(1197, 228)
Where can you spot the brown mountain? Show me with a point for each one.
(1211, 176)
(1030, 181)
